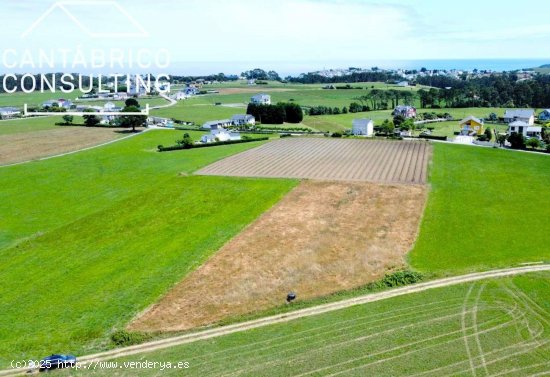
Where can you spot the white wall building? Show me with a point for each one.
(220, 134)
(243, 119)
(215, 124)
(523, 115)
(9, 112)
(261, 99)
(362, 127)
(525, 129)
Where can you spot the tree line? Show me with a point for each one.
(276, 114)
(502, 90)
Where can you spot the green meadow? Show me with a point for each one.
(484, 328)
(91, 239)
(485, 210)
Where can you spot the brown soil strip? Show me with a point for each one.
(34, 145)
(323, 237)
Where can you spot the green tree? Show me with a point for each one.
(132, 102)
(91, 120)
(516, 140)
(533, 143)
(488, 134)
(187, 142)
(388, 127)
(501, 139)
(132, 121)
(293, 112)
(68, 119)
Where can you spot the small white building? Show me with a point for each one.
(66, 104)
(179, 96)
(403, 84)
(243, 120)
(362, 127)
(261, 99)
(220, 134)
(525, 129)
(215, 124)
(109, 107)
(523, 115)
(9, 112)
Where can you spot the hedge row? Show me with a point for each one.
(432, 137)
(215, 144)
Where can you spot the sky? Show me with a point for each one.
(210, 34)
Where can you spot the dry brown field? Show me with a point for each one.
(323, 237)
(330, 159)
(39, 144)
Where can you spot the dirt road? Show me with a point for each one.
(286, 317)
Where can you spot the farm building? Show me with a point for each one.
(220, 134)
(243, 119)
(9, 112)
(525, 129)
(215, 124)
(403, 84)
(261, 99)
(545, 115)
(523, 115)
(58, 103)
(471, 126)
(180, 96)
(362, 127)
(405, 111)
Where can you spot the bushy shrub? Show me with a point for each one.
(397, 279)
(125, 338)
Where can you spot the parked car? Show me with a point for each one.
(57, 362)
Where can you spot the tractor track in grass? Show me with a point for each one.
(286, 317)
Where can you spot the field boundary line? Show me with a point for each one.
(301, 313)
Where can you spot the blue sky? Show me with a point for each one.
(208, 32)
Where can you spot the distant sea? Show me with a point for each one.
(297, 67)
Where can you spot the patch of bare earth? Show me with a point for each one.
(323, 237)
(34, 145)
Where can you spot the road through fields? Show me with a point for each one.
(286, 317)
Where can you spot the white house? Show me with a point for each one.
(243, 119)
(59, 102)
(9, 112)
(405, 111)
(180, 96)
(261, 99)
(523, 115)
(220, 134)
(120, 96)
(403, 84)
(362, 127)
(525, 129)
(215, 124)
(109, 107)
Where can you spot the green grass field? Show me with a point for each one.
(15, 126)
(89, 240)
(484, 328)
(484, 211)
